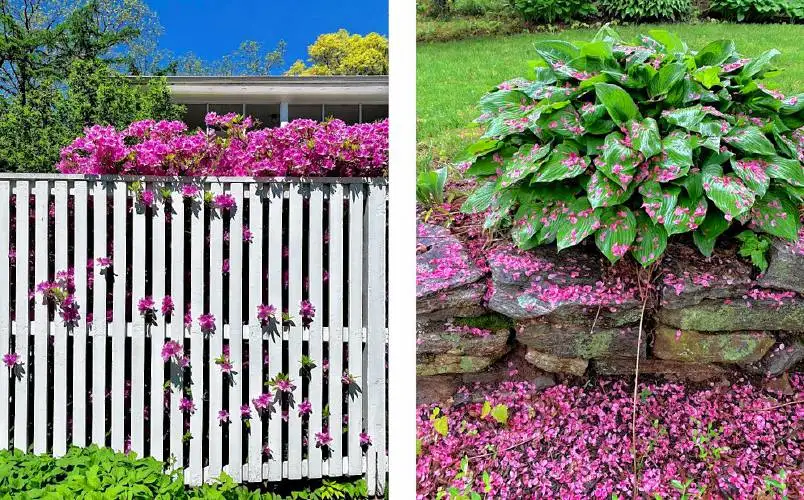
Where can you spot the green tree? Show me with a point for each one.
(340, 53)
(250, 58)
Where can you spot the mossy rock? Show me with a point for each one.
(725, 316)
(674, 344)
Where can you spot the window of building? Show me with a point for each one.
(374, 112)
(349, 113)
(309, 111)
(267, 114)
(194, 116)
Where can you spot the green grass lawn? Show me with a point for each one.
(452, 76)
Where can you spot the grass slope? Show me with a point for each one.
(452, 76)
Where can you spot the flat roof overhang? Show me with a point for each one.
(275, 89)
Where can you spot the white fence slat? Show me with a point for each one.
(236, 320)
(22, 316)
(137, 423)
(335, 462)
(295, 218)
(158, 271)
(119, 316)
(316, 348)
(176, 421)
(275, 345)
(375, 369)
(41, 323)
(255, 356)
(215, 340)
(5, 306)
(79, 404)
(99, 325)
(195, 472)
(60, 229)
(355, 346)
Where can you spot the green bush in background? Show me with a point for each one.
(645, 10)
(758, 10)
(551, 11)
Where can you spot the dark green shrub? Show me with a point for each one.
(645, 10)
(636, 142)
(550, 11)
(758, 10)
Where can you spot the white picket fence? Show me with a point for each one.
(105, 382)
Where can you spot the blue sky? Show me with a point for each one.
(211, 29)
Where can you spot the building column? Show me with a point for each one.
(283, 113)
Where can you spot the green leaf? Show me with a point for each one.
(753, 172)
(650, 242)
(715, 53)
(667, 77)
(687, 118)
(580, 221)
(523, 163)
(750, 140)
(564, 163)
(526, 227)
(755, 247)
(645, 137)
(603, 192)
(786, 170)
(617, 232)
(686, 216)
(659, 201)
(618, 161)
(676, 158)
(708, 76)
(480, 199)
(671, 42)
(486, 409)
(556, 51)
(479, 148)
(728, 193)
(775, 214)
(441, 425)
(708, 232)
(500, 414)
(758, 64)
(618, 103)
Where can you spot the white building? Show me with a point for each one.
(275, 100)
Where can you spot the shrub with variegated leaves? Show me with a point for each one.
(633, 142)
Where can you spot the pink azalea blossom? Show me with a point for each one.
(323, 439)
(11, 359)
(207, 323)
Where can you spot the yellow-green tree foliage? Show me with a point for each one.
(343, 54)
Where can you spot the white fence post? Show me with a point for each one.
(5, 307)
(22, 315)
(60, 328)
(41, 328)
(336, 328)
(80, 401)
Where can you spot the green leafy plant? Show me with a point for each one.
(644, 10)
(94, 472)
(632, 143)
(467, 476)
(550, 11)
(430, 186)
(758, 10)
(755, 247)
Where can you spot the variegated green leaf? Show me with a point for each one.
(480, 199)
(676, 158)
(650, 242)
(645, 137)
(753, 172)
(667, 77)
(775, 214)
(617, 232)
(728, 193)
(750, 140)
(686, 216)
(577, 223)
(603, 192)
(715, 53)
(564, 162)
(523, 163)
(618, 161)
(687, 118)
(659, 201)
(790, 171)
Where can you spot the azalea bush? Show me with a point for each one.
(231, 146)
(632, 143)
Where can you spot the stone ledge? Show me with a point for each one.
(744, 314)
(740, 347)
(693, 372)
(579, 341)
(786, 265)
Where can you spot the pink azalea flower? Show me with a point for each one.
(223, 416)
(167, 305)
(207, 323)
(11, 359)
(305, 408)
(187, 405)
(323, 439)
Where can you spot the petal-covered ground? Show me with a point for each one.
(714, 441)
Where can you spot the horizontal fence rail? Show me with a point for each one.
(220, 324)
